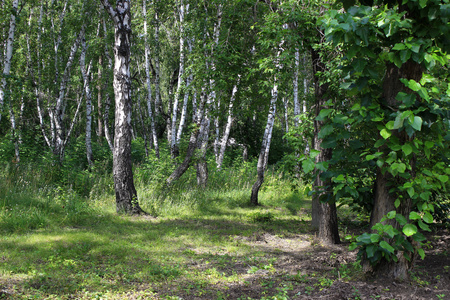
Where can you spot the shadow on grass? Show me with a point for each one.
(121, 253)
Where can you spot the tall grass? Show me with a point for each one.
(43, 194)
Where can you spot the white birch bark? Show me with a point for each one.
(185, 102)
(14, 133)
(226, 134)
(265, 146)
(149, 87)
(126, 195)
(88, 96)
(173, 127)
(108, 137)
(38, 92)
(8, 54)
(58, 112)
(295, 84)
(158, 106)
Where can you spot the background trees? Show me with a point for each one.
(355, 100)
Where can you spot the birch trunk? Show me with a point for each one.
(193, 142)
(173, 137)
(14, 133)
(202, 166)
(88, 96)
(58, 112)
(108, 138)
(226, 134)
(8, 54)
(126, 195)
(185, 102)
(100, 131)
(297, 107)
(265, 146)
(149, 87)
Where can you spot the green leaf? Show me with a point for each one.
(414, 216)
(410, 191)
(391, 214)
(324, 113)
(409, 229)
(397, 203)
(314, 153)
(429, 144)
(352, 246)
(421, 253)
(399, 46)
(414, 85)
(385, 133)
(443, 178)
(326, 130)
(364, 238)
(308, 165)
(398, 123)
(401, 167)
(419, 237)
(423, 226)
(379, 143)
(385, 245)
(423, 3)
(375, 238)
(370, 250)
(427, 217)
(401, 219)
(407, 149)
(417, 123)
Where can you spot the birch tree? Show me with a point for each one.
(126, 195)
(8, 53)
(149, 88)
(173, 136)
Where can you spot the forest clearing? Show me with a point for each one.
(213, 149)
(210, 245)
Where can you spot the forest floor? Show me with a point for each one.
(204, 258)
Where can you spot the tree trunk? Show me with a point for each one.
(295, 84)
(227, 131)
(8, 54)
(384, 199)
(173, 137)
(108, 138)
(126, 195)
(149, 88)
(100, 132)
(193, 142)
(324, 214)
(88, 96)
(265, 146)
(202, 166)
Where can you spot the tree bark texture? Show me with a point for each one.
(8, 54)
(88, 96)
(193, 142)
(226, 134)
(265, 146)
(149, 88)
(324, 214)
(384, 199)
(126, 195)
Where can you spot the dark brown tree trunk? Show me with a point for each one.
(126, 195)
(324, 214)
(384, 199)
